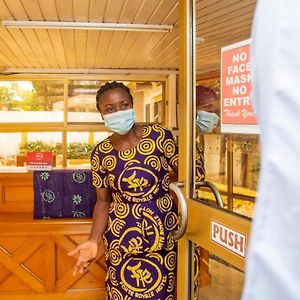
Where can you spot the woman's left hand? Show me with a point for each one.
(87, 253)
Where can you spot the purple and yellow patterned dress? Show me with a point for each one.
(140, 256)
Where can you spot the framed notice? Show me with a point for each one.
(39, 161)
(237, 115)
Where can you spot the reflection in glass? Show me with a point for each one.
(216, 159)
(218, 279)
(246, 164)
(31, 101)
(206, 195)
(243, 207)
(245, 169)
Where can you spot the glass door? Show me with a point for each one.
(212, 251)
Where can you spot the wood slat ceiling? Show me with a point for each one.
(219, 22)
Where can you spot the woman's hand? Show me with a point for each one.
(87, 253)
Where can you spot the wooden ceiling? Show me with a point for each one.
(219, 22)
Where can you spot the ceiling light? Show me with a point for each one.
(12, 71)
(86, 26)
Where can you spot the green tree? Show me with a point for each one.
(14, 97)
(6, 94)
(47, 93)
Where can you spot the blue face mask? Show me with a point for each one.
(206, 121)
(121, 121)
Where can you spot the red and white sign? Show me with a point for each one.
(39, 161)
(230, 239)
(237, 115)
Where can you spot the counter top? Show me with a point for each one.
(18, 223)
(12, 169)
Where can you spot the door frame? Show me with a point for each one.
(201, 216)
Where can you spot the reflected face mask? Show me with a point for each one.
(121, 121)
(206, 121)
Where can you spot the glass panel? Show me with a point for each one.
(206, 195)
(14, 146)
(243, 207)
(44, 141)
(214, 143)
(215, 157)
(9, 148)
(31, 101)
(80, 146)
(218, 279)
(82, 101)
(246, 164)
(147, 99)
(240, 206)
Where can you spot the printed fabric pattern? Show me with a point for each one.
(140, 256)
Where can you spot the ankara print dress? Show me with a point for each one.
(140, 255)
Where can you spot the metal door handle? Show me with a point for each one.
(177, 234)
(214, 190)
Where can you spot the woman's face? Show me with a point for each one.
(114, 100)
(210, 105)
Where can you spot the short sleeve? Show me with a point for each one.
(170, 149)
(99, 173)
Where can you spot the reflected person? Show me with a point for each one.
(206, 122)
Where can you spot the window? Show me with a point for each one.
(232, 163)
(31, 101)
(61, 116)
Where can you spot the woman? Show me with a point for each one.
(207, 107)
(207, 103)
(134, 211)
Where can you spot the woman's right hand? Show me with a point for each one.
(87, 253)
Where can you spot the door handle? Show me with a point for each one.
(177, 234)
(214, 190)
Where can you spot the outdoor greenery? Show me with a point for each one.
(39, 146)
(40, 98)
(76, 150)
(10, 96)
(79, 150)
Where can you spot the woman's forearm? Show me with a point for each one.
(100, 217)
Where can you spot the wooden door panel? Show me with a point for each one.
(37, 266)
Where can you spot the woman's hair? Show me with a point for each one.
(109, 86)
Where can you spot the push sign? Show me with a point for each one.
(230, 239)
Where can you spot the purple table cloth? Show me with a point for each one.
(63, 194)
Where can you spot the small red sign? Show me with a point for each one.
(39, 161)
